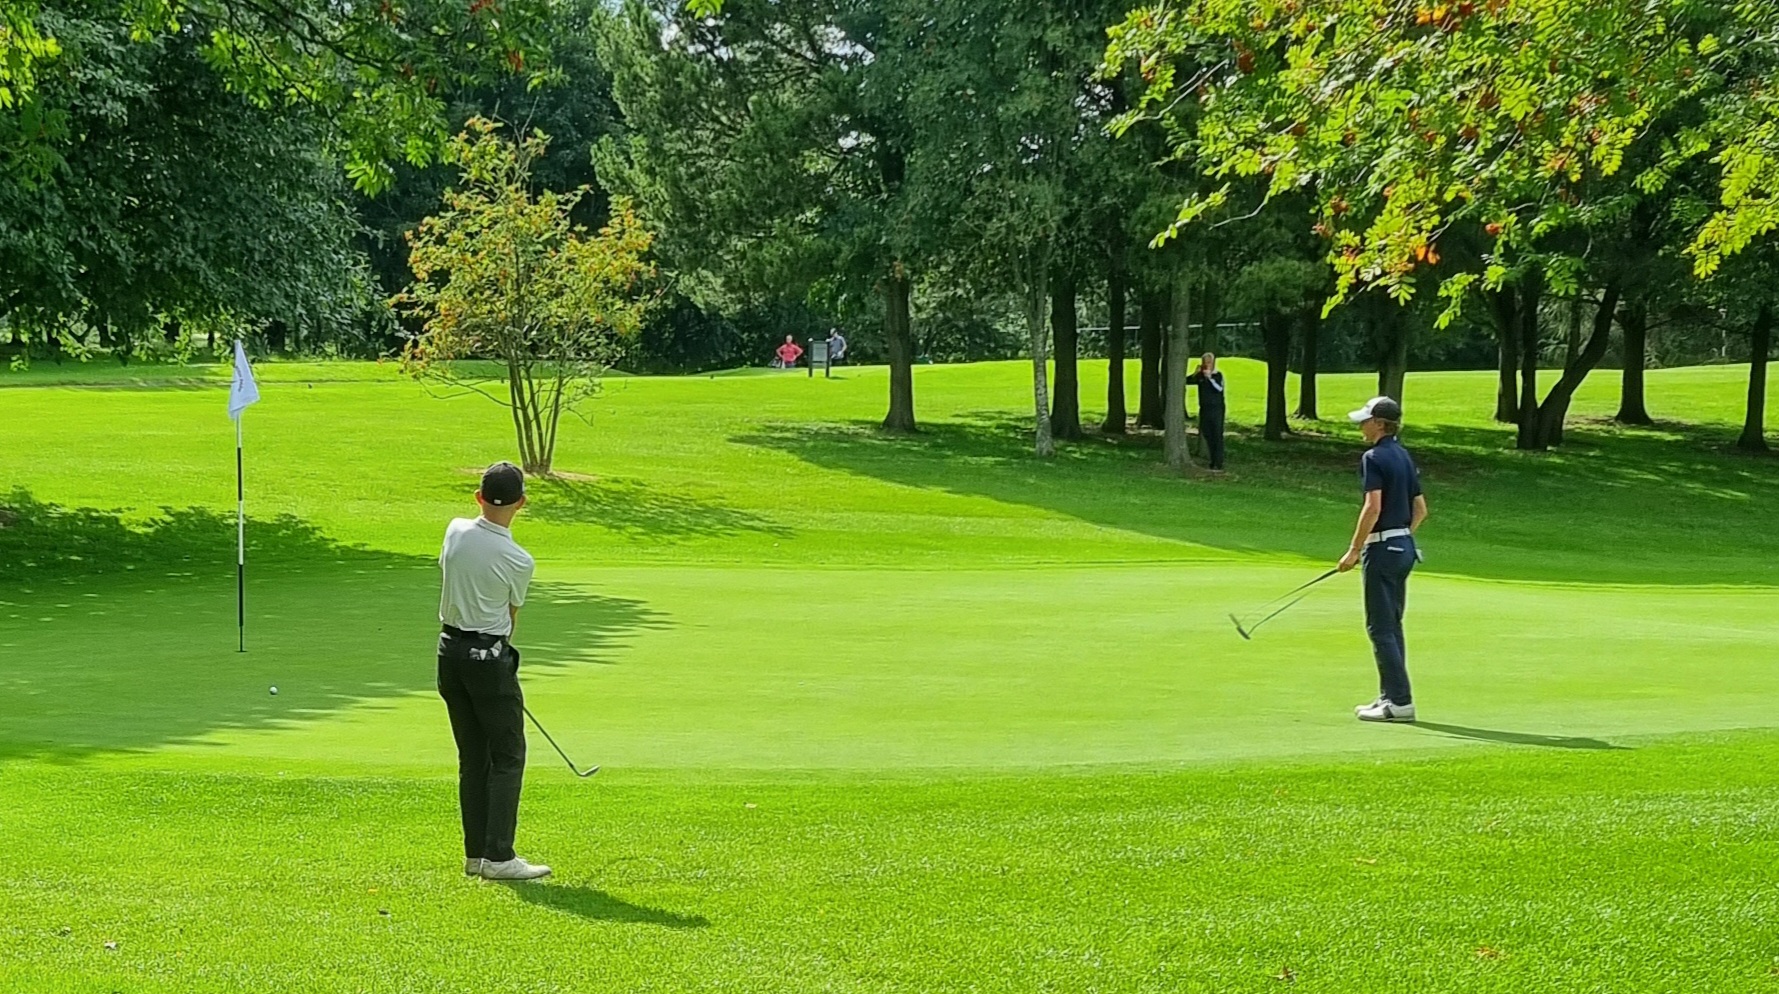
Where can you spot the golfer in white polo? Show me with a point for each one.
(486, 575)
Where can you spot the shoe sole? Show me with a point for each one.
(1388, 721)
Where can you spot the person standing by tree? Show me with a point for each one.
(1384, 540)
(1211, 407)
(836, 346)
(486, 575)
(789, 353)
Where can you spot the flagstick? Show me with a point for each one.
(240, 543)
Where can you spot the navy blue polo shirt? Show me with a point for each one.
(1388, 467)
(1210, 390)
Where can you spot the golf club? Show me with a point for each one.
(571, 767)
(1295, 595)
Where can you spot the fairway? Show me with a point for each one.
(881, 713)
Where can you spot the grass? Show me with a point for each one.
(884, 714)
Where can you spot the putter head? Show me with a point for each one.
(1239, 630)
(585, 775)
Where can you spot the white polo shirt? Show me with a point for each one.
(485, 574)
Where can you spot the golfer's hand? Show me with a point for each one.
(1348, 561)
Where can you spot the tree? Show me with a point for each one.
(1413, 122)
(1117, 298)
(1753, 437)
(1173, 377)
(572, 103)
(769, 144)
(1001, 91)
(1309, 365)
(504, 275)
(1276, 289)
(177, 204)
(374, 70)
(1065, 330)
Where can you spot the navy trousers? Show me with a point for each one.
(1387, 565)
(1210, 425)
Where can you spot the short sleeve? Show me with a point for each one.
(523, 567)
(1371, 475)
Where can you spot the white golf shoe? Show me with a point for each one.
(1383, 710)
(472, 867)
(512, 869)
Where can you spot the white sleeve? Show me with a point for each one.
(523, 567)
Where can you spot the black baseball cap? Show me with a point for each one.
(1382, 408)
(503, 484)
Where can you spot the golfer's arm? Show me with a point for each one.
(1420, 514)
(1374, 505)
(512, 619)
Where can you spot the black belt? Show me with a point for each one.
(464, 633)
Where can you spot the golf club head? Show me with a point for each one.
(1239, 630)
(585, 775)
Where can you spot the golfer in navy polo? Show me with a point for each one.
(486, 576)
(1384, 541)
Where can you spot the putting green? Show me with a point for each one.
(739, 574)
(884, 714)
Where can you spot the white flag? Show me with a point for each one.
(243, 391)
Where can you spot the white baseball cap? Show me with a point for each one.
(1377, 407)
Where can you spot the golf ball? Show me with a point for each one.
(274, 691)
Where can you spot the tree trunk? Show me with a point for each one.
(1311, 322)
(1275, 335)
(1065, 328)
(518, 393)
(1392, 363)
(1634, 322)
(1174, 400)
(1037, 295)
(210, 340)
(1210, 317)
(898, 333)
(1573, 349)
(1754, 423)
(1150, 316)
(1555, 409)
(1116, 415)
(1531, 295)
(275, 336)
(1507, 334)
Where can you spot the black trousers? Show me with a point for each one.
(1387, 566)
(1210, 426)
(479, 680)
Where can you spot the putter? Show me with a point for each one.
(571, 767)
(1295, 595)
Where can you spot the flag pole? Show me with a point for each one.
(240, 544)
(243, 393)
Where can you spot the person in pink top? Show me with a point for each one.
(789, 352)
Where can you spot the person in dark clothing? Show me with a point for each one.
(1211, 407)
(1384, 541)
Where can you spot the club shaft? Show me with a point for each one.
(1290, 597)
(547, 738)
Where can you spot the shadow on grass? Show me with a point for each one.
(633, 508)
(1519, 738)
(120, 635)
(598, 906)
(1584, 513)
